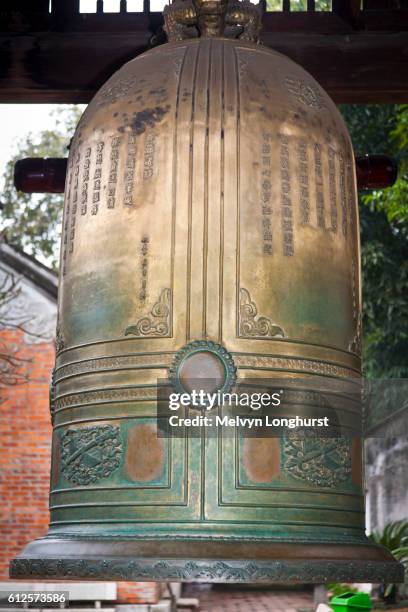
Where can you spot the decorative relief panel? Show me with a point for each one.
(252, 325)
(91, 453)
(305, 93)
(294, 364)
(105, 395)
(158, 321)
(112, 92)
(216, 571)
(324, 462)
(114, 363)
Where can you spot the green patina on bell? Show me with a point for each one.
(210, 231)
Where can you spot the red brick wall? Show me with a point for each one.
(25, 450)
(139, 592)
(25, 445)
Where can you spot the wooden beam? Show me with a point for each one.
(65, 17)
(69, 67)
(359, 68)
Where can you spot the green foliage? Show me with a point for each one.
(385, 297)
(384, 238)
(33, 222)
(370, 126)
(298, 5)
(394, 537)
(336, 589)
(394, 202)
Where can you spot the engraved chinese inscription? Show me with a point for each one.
(266, 194)
(85, 181)
(68, 205)
(97, 178)
(74, 201)
(319, 185)
(303, 182)
(144, 263)
(332, 189)
(350, 192)
(343, 198)
(113, 170)
(148, 162)
(130, 164)
(286, 200)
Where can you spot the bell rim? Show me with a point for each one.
(208, 560)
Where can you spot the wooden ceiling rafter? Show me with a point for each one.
(64, 56)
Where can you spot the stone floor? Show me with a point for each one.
(224, 598)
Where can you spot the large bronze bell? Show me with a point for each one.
(210, 227)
